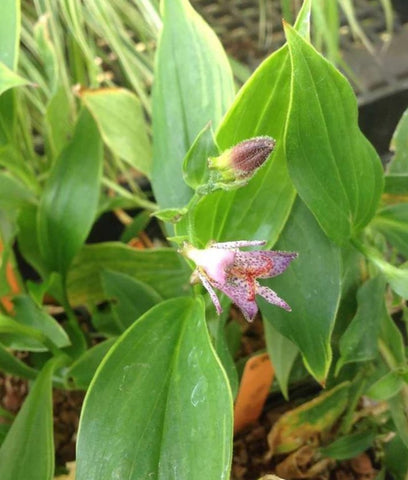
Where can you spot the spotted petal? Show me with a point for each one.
(271, 297)
(237, 290)
(264, 263)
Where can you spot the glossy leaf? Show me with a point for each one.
(349, 446)
(130, 298)
(260, 108)
(360, 340)
(120, 119)
(162, 269)
(171, 400)
(295, 427)
(316, 270)
(282, 353)
(392, 221)
(399, 144)
(63, 221)
(336, 171)
(81, 372)
(29, 445)
(193, 86)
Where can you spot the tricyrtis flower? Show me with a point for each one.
(224, 267)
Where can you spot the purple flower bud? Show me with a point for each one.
(243, 160)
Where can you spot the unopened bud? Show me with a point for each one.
(240, 162)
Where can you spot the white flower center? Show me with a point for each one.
(214, 261)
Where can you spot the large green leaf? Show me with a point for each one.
(333, 166)
(360, 341)
(162, 269)
(120, 119)
(260, 209)
(70, 199)
(173, 407)
(12, 365)
(28, 450)
(311, 286)
(193, 86)
(392, 221)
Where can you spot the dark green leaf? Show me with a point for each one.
(193, 86)
(139, 223)
(396, 184)
(162, 269)
(398, 409)
(311, 286)
(396, 458)
(28, 450)
(131, 298)
(334, 168)
(360, 341)
(70, 199)
(81, 372)
(391, 339)
(171, 401)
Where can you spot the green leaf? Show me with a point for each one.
(336, 171)
(13, 194)
(392, 341)
(282, 353)
(171, 400)
(139, 223)
(316, 270)
(29, 445)
(392, 222)
(81, 372)
(396, 458)
(12, 365)
(70, 199)
(120, 119)
(399, 144)
(386, 387)
(131, 298)
(398, 409)
(29, 313)
(162, 269)
(360, 340)
(9, 79)
(396, 184)
(349, 446)
(58, 122)
(260, 108)
(10, 33)
(195, 164)
(193, 86)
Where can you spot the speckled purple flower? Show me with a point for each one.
(224, 267)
